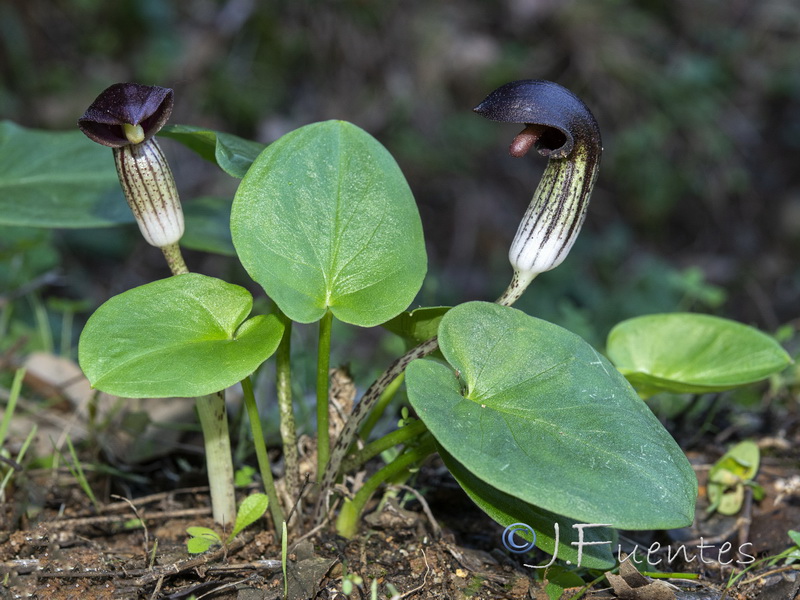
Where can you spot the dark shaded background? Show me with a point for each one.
(698, 202)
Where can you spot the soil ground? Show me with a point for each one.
(55, 544)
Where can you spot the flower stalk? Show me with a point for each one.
(347, 521)
(357, 417)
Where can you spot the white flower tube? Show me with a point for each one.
(150, 190)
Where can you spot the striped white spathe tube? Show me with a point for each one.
(150, 190)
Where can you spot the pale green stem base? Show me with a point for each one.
(390, 440)
(214, 421)
(349, 516)
(261, 455)
(323, 379)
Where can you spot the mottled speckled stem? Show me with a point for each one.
(359, 414)
(519, 283)
(283, 383)
(172, 254)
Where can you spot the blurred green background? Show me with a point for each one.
(698, 201)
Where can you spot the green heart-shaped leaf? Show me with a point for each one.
(324, 219)
(692, 353)
(232, 154)
(538, 414)
(187, 335)
(57, 179)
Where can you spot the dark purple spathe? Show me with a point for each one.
(126, 103)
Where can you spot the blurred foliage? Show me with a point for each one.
(697, 101)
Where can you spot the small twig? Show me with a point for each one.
(11, 463)
(104, 519)
(154, 498)
(195, 562)
(25, 566)
(157, 589)
(300, 495)
(20, 566)
(307, 535)
(256, 565)
(226, 586)
(142, 521)
(424, 579)
(80, 574)
(362, 550)
(721, 537)
(437, 531)
(744, 521)
(771, 572)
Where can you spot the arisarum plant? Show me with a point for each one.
(560, 126)
(535, 424)
(126, 117)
